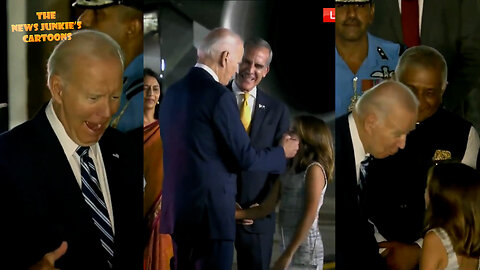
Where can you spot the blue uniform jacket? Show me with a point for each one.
(380, 63)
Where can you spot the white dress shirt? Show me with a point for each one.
(209, 70)
(70, 147)
(358, 149)
(471, 153)
(360, 155)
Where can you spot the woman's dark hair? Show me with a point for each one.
(151, 73)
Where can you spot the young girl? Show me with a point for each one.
(302, 189)
(452, 218)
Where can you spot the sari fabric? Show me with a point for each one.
(159, 248)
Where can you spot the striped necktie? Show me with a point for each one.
(94, 198)
(246, 112)
(362, 196)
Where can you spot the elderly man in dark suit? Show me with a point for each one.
(72, 194)
(378, 126)
(397, 206)
(205, 144)
(266, 119)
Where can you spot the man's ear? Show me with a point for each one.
(224, 58)
(372, 12)
(444, 87)
(55, 85)
(394, 76)
(134, 28)
(267, 69)
(371, 121)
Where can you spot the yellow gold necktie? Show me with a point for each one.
(246, 112)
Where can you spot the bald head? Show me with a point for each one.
(222, 51)
(83, 44)
(384, 97)
(384, 115)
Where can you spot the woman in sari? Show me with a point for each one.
(159, 250)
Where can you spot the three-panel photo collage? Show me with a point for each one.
(240, 135)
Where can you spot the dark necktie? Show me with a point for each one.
(410, 27)
(363, 183)
(94, 198)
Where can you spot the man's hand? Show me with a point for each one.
(48, 260)
(400, 256)
(245, 221)
(290, 145)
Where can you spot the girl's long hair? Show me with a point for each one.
(316, 144)
(453, 191)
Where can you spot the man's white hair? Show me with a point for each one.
(217, 41)
(89, 43)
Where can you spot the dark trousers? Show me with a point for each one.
(203, 255)
(254, 251)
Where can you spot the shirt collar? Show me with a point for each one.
(237, 91)
(209, 70)
(68, 145)
(358, 149)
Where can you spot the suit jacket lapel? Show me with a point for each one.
(59, 172)
(429, 13)
(344, 150)
(111, 160)
(396, 18)
(258, 115)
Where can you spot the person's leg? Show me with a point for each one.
(183, 258)
(254, 251)
(203, 254)
(220, 257)
(266, 241)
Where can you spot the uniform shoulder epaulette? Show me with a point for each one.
(382, 54)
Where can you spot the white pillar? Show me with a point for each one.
(17, 64)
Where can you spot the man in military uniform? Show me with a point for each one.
(123, 21)
(361, 59)
(396, 185)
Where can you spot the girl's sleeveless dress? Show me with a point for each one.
(309, 255)
(452, 263)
